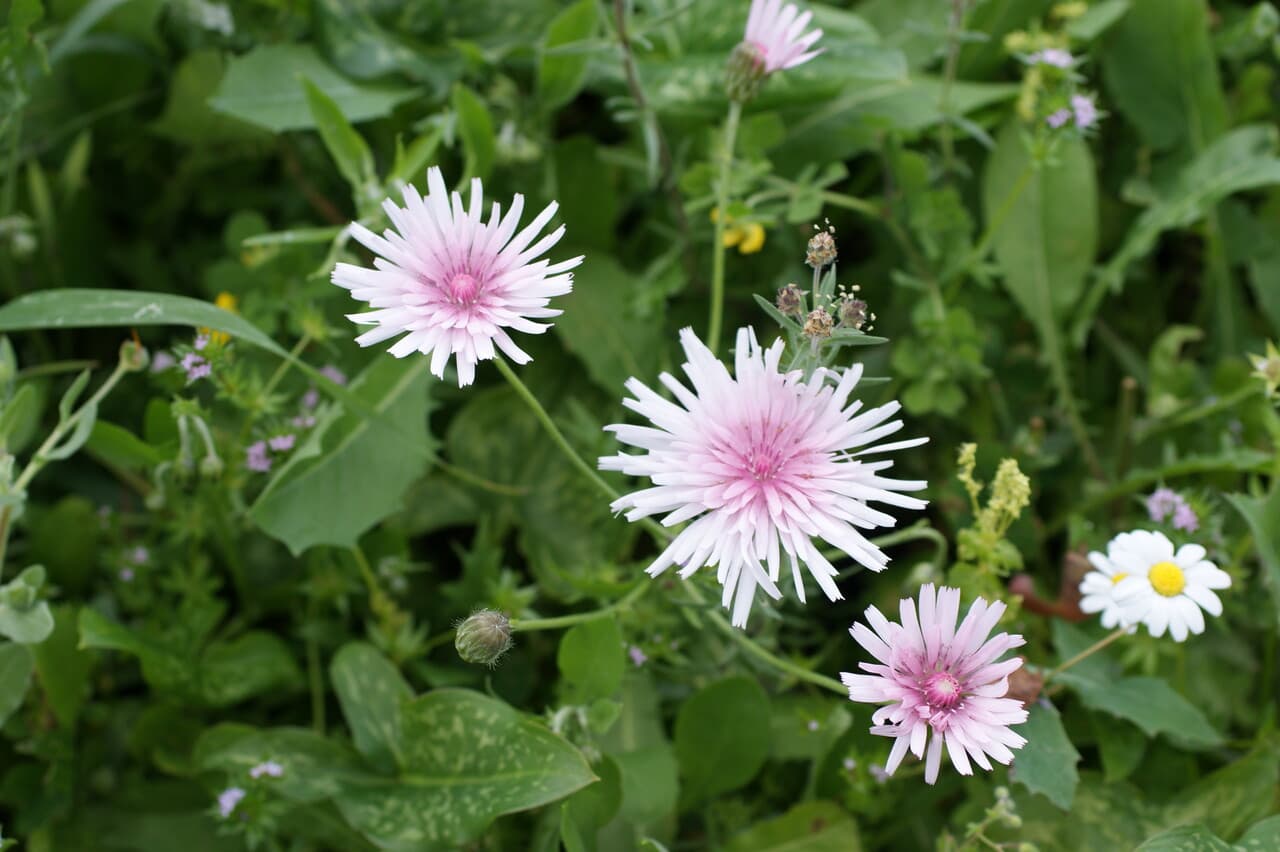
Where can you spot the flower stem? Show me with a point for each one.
(1087, 652)
(519, 625)
(722, 216)
(660, 535)
(769, 658)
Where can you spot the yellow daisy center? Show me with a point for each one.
(1118, 576)
(1167, 579)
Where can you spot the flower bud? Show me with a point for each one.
(821, 251)
(853, 312)
(483, 638)
(211, 467)
(790, 298)
(133, 356)
(1024, 686)
(817, 325)
(745, 73)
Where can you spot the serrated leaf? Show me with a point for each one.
(264, 87)
(343, 479)
(591, 660)
(562, 68)
(468, 759)
(1047, 763)
(722, 737)
(83, 308)
(370, 689)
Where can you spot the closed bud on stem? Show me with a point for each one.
(133, 356)
(790, 298)
(483, 638)
(745, 73)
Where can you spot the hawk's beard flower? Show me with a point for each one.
(1163, 588)
(761, 462)
(936, 678)
(776, 32)
(452, 283)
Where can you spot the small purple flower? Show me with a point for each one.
(1086, 112)
(282, 443)
(310, 399)
(813, 724)
(202, 340)
(1055, 56)
(139, 555)
(256, 457)
(333, 374)
(228, 799)
(303, 421)
(1162, 503)
(162, 361)
(126, 575)
(1184, 518)
(637, 656)
(196, 367)
(269, 768)
(1058, 118)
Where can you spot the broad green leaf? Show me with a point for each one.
(15, 676)
(121, 447)
(1185, 838)
(1102, 817)
(1045, 247)
(1160, 70)
(63, 668)
(1047, 763)
(1262, 514)
(591, 660)
(1121, 745)
(162, 668)
(344, 478)
(1234, 797)
(187, 117)
(264, 87)
(808, 827)
(350, 152)
(475, 127)
(315, 768)
(650, 783)
(1097, 19)
(1243, 159)
(28, 626)
(370, 690)
(251, 664)
(1261, 836)
(468, 759)
(81, 308)
(722, 737)
(563, 64)
(601, 326)
(592, 807)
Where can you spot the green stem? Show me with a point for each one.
(284, 366)
(722, 217)
(463, 475)
(741, 639)
(519, 625)
(1087, 652)
(1061, 378)
(954, 23)
(997, 221)
(315, 675)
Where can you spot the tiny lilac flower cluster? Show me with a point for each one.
(229, 799)
(256, 456)
(1164, 503)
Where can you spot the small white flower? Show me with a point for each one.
(1163, 589)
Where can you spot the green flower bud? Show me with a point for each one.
(483, 638)
(745, 74)
(133, 356)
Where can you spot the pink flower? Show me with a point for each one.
(256, 457)
(1085, 111)
(1055, 56)
(281, 443)
(453, 284)
(196, 367)
(761, 463)
(775, 32)
(933, 677)
(1058, 118)
(1162, 502)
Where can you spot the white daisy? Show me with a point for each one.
(1164, 589)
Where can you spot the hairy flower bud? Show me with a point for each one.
(821, 251)
(818, 325)
(790, 298)
(745, 73)
(483, 638)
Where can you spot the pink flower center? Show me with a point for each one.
(763, 465)
(463, 288)
(942, 690)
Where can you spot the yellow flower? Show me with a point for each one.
(227, 302)
(1069, 11)
(748, 237)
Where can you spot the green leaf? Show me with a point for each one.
(20, 410)
(1185, 838)
(563, 64)
(252, 664)
(1097, 19)
(63, 668)
(1047, 763)
(591, 659)
(1045, 247)
(1159, 67)
(602, 327)
(342, 479)
(120, 447)
(28, 626)
(475, 127)
(81, 308)
(592, 807)
(1243, 159)
(1262, 514)
(161, 667)
(1261, 836)
(468, 759)
(345, 145)
(722, 737)
(1233, 797)
(264, 87)
(370, 689)
(1120, 744)
(808, 827)
(15, 676)
(187, 117)
(315, 768)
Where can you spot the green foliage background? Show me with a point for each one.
(1089, 317)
